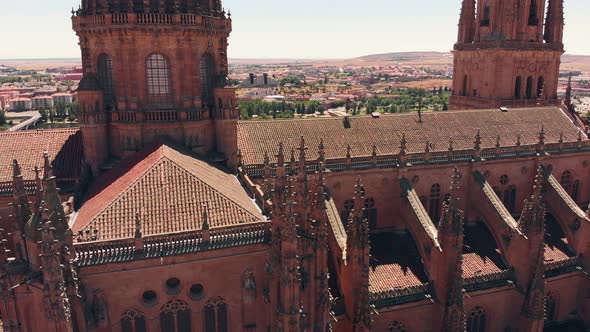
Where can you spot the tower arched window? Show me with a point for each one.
(485, 20)
(533, 16)
(370, 212)
(509, 198)
(566, 180)
(396, 326)
(133, 321)
(215, 313)
(175, 316)
(476, 320)
(518, 88)
(434, 203)
(540, 86)
(106, 79)
(207, 70)
(550, 307)
(159, 84)
(575, 191)
(529, 87)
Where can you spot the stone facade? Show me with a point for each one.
(186, 219)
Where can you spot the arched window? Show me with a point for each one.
(540, 86)
(348, 207)
(509, 198)
(434, 203)
(518, 88)
(370, 212)
(550, 307)
(464, 92)
(566, 180)
(215, 313)
(533, 18)
(396, 326)
(106, 79)
(175, 316)
(133, 321)
(529, 87)
(159, 86)
(575, 190)
(207, 70)
(476, 320)
(485, 21)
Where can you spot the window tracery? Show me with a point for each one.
(175, 316)
(215, 313)
(159, 86)
(133, 321)
(434, 203)
(476, 320)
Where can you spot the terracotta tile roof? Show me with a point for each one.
(480, 253)
(556, 248)
(27, 146)
(257, 137)
(170, 190)
(395, 263)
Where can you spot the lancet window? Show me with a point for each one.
(476, 320)
(434, 203)
(370, 212)
(133, 321)
(215, 316)
(175, 316)
(159, 86)
(106, 78)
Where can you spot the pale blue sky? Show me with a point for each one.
(284, 28)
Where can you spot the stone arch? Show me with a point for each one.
(158, 76)
(529, 87)
(540, 86)
(518, 88)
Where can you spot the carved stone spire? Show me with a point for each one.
(301, 165)
(358, 254)
(567, 100)
(467, 22)
(532, 219)
(403, 147)
(477, 142)
(555, 22)
(450, 233)
(280, 155)
(22, 211)
(321, 152)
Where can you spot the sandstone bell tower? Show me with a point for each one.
(154, 69)
(508, 53)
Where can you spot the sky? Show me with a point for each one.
(303, 29)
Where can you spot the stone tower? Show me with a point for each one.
(507, 53)
(154, 69)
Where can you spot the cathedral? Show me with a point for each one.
(165, 212)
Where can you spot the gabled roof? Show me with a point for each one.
(27, 147)
(169, 191)
(257, 137)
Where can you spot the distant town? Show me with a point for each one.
(35, 94)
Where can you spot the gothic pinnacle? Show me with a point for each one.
(477, 143)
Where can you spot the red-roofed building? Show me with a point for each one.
(163, 212)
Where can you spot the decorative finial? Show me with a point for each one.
(280, 156)
(403, 146)
(542, 135)
(16, 172)
(477, 143)
(266, 159)
(498, 145)
(374, 151)
(518, 140)
(302, 149)
(138, 233)
(428, 148)
(205, 221)
(47, 172)
(348, 149)
(321, 150)
(451, 145)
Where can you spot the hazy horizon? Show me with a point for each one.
(272, 29)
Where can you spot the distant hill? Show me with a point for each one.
(405, 56)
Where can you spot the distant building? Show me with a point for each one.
(259, 81)
(21, 104)
(63, 98)
(40, 101)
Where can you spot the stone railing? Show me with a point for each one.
(433, 158)
(187, 20)
(486, 281)
(115, 251)
(554, 268)
(65, 186)
(400, 295)
(478, 102)
(508, 44)
(160, 116)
